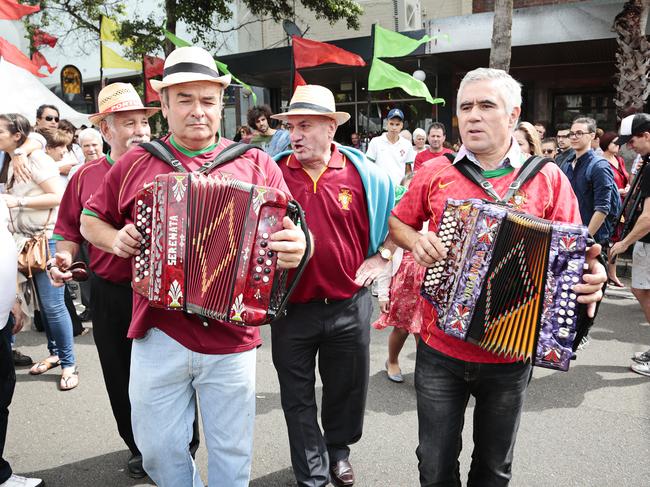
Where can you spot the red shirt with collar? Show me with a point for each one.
(427, 155)
(548, 195)
(113, 203)
(336, 212)
(79, 190)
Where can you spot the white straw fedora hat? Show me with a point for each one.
(187, 64)
(118, 97)
(313, 100)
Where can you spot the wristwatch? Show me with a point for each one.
(22, 201)
(385, 253)
(18, 152)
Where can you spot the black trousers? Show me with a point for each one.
(112, 306)
(339, 333)
(7, 386)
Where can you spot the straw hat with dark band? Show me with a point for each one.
(313, 100)
(187, 64)
(118, 97)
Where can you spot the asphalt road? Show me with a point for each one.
(588, 427)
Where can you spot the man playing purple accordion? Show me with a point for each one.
(449, 370)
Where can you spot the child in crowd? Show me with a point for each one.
(400, 305)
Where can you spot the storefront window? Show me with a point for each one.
(599, 106)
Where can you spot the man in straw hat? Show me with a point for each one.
(124, 123)
(174, 355)
(347, 200)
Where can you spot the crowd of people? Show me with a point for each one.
(373, 216)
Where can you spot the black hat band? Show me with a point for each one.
(190, 68)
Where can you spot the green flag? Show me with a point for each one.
(223, 68)
(394, 44)
(383, 76)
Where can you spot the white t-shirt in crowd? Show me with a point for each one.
(8, 266)
(392, 157)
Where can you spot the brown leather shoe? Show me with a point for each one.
(342, 473)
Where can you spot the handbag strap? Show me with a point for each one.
(527, 171)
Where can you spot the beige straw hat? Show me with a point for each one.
(187, 64)
(313, 100)
(118, 97)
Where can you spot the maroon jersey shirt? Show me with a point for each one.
(427, 155)
(79, 190)
(337, 215)
(113, 203)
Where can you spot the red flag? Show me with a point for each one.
(41, 38)
(308, 53)
(12, 10)
(13, 55)
(298, 80)
(153, 66)
(39, 60)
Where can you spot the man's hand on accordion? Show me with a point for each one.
(127, 241)
(428, 248)
(590, 290)
(290, 244)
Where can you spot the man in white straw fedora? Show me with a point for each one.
(174, 356)
(124, 123)
(347, 200)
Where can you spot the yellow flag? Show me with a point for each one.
(111, 59)
(107, 29)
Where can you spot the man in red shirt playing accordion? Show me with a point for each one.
(177, 356)
(449, 370)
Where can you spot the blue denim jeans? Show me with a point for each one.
(443, 387)
(165, 379)
(57, 322)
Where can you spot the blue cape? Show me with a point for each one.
(380, 195)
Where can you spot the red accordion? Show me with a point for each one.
(205, 248)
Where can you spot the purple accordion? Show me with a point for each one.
(506, 282)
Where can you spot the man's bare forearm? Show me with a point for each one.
(402, 234)
(596, 222)
(67, 246)
(98, 232)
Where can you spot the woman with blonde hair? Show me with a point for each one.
(528, 139)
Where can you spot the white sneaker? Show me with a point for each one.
(18, 481)
(641, 357)
(642, 368)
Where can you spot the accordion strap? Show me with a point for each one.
(528, 170)
(161, 150)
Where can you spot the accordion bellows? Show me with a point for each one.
(506, 282)
(205, 248)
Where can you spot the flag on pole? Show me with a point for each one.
(308, 53)
(12, 10)
(41, 38)
(153, 66)
(111, 59)
(107, 29)
(222, 67)
(39, 60)
(384, 76)
(13, 55)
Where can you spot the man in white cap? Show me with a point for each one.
(635, 132)
(174, 356)
(124, 123)
(347, 201)
(391, 152)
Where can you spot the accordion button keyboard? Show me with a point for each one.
(260, 260)
(258, 269)
(265, 279)
(267, 271)
(265, 236)
(262, 252)
(263, 243)
(270, 253)
(256, 277)
(268, 262)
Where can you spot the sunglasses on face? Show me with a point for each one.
(547, 151)
(577, 134)
(49, 118)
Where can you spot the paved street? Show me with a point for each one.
(588, 427)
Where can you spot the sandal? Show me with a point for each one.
(614, 283)
(69, 382)
(43, 366)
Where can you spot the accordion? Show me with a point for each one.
(506, 282)
(205, 247)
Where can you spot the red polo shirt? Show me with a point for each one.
(427, 155)
(79, 190)
(337, 215)
(548, 195)
(113, 203)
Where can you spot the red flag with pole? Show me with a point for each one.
(41, 38)
(39, 60)
(153, 66)
(12, 10)
(13, 55)
(308, 53)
